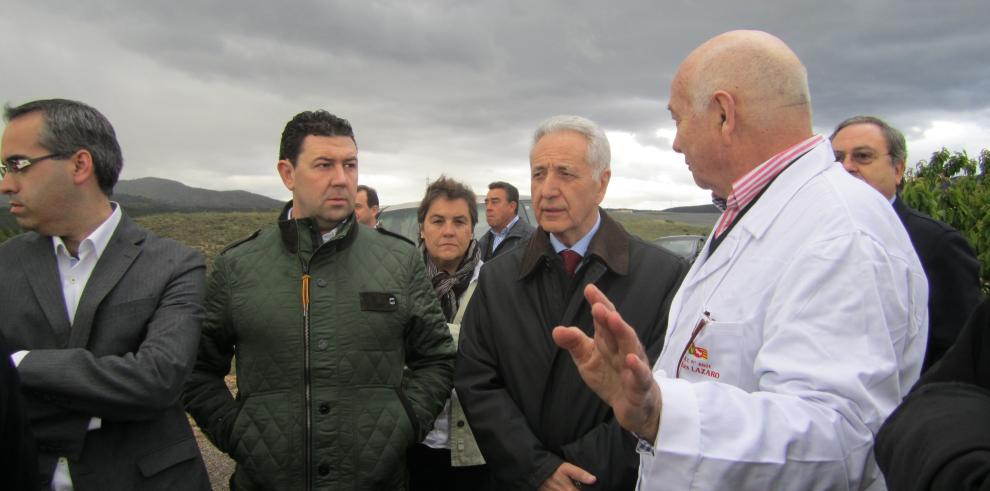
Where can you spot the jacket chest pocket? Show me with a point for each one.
(381, 315)
(378, 301)
(714, 355)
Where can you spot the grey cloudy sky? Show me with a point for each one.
(200, 91)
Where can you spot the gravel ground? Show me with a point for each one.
(218, 464)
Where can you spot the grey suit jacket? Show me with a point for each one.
(125, 358)
(518, 234)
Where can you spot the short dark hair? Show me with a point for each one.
(70, 126)
(317, 123)
(372, 194)
(896, 146)
(510, 191)
(445, 187)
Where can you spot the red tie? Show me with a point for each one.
(571, 261)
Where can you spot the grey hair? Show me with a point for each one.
(599, 153)
(896, 145)
(70, 126)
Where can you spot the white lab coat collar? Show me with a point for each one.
(764, 212)
(766, 209)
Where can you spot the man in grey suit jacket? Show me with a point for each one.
(103, 316)
(502, 210)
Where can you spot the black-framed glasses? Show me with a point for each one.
(859, 156)
(18, 164)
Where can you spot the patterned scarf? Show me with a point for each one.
(448, 287)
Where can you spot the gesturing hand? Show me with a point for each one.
(615, 366)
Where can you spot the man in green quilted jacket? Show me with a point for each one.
(343, 356)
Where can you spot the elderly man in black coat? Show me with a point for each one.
(537, 424)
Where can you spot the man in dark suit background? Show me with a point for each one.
(103, 316)
(366, 208)
(876, 152)
(502, 211)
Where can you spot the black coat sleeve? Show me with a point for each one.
(939, 437)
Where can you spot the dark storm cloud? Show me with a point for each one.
(457, 87)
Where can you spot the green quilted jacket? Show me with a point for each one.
(329, 396)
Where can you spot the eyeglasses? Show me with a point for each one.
(17, 165)
(861, 157)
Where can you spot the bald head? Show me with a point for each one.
(738, 99)
(766, 78)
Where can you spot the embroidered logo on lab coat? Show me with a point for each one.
(698, 352)
(695, 361)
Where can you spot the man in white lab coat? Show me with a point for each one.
(802, 323)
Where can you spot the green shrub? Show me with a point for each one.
(955, 188)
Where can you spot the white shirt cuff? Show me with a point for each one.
(18, 356)
(680, 419)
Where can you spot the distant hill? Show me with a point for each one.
(166, 195)
(157, 194)
(694, 209)
(152, 195)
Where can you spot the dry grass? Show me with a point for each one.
(208, 232)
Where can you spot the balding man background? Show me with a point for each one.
(876, 152)
(802, 323)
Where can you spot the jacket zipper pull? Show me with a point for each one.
(305, 294)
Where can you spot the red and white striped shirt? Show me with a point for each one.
(748, 187)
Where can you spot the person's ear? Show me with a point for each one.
(603, 185)
(288, 173)
(726, 106)
(82, 166)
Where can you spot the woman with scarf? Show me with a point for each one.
(448, 458)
